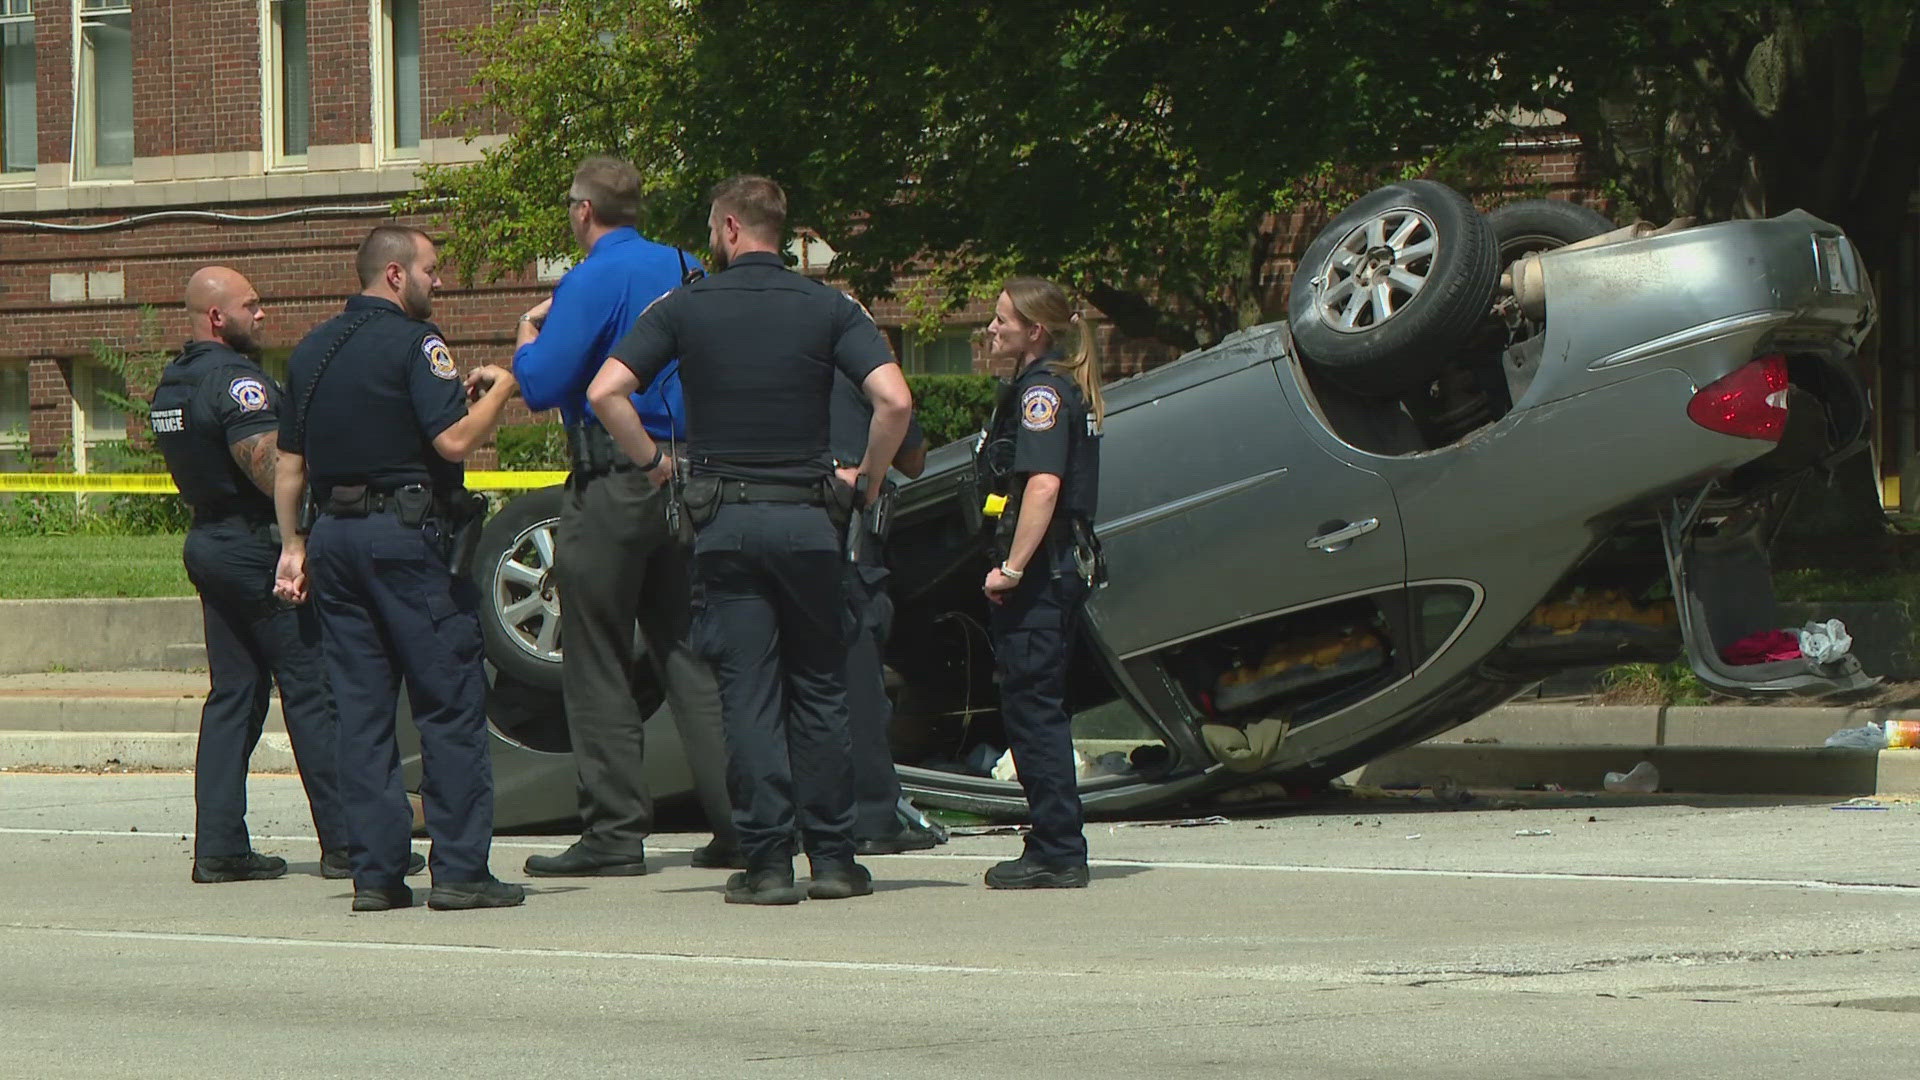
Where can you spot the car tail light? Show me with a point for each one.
(1750, 403)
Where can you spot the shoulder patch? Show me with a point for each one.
(249, 392)
(439, 357)
(1039, 408)
(858, 304)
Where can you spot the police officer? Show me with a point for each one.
(380, 422)
(758, 345)
(214, 417)
(877, 825)
(1049, 558)
(617, 562)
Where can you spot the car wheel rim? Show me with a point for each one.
(526, 598)
(1376, 270)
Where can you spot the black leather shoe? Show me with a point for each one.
(902, 841)
(382, 899)
(467, 895)
(582, 861)
(718, 856)
(337, 865)
(252, 866)
(1023, 873)
(767, 887)
(840, 881)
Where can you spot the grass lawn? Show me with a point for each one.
(62, 567)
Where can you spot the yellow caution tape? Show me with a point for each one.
(162, 484)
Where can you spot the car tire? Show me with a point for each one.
(1392, 287)
(1532, 225)
(519, 597)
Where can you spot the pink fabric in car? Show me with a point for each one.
(1766, 647)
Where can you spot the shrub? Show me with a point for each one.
(532, 447)
(952, 406)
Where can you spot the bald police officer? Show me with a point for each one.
(381, 422)
(214, 417)
(758, 345)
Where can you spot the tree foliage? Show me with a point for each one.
(1142, 150)
(1148, 152)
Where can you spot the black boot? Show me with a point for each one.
(839, 881)
(718, 855)
(583, 861)
(771, 885)
(1028, 873)
(902, 841)
(252, 866)
(467, 895)
(377, 898)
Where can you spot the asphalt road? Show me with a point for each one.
(1369, 939)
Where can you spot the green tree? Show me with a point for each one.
(1145, 151)
(1745, 108)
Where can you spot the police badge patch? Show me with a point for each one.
(1039, 408)
(248, 391)
(439, 357)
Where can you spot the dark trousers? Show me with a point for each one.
(1033, 635)
(391, 608)
(772, 619)
(617, 566)
(876, 786)
(254, 640)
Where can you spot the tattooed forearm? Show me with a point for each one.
(255, 455)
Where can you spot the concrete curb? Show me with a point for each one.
(99, 635)
(101, 715)
(1705, 770)
(1566, 724)
(163, 750)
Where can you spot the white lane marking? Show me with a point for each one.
(1152, 864)
(544, 954)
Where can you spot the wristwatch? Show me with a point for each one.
(659, 452)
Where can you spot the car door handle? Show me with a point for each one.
(1343, 537)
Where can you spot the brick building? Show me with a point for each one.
(145, 138)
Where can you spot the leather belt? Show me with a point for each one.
(748, 491)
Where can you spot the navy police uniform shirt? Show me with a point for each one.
(209, 398)
(391, 387)
(1054, 433)
(852, 419)
(758, 345)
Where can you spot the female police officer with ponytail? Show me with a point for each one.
(1049, 561)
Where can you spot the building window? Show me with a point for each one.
(288, 81)
(103, 116)
(19, 125)
(398, 91)
(950, 352)
(100, 395)
(13, 417)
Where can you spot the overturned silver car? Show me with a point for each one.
(1483, 449)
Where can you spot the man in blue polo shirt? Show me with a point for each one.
(617, 563)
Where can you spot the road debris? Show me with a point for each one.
(1183, 823)
(1643, 779)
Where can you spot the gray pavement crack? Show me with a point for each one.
(1439, 975)
(1000, 1038)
